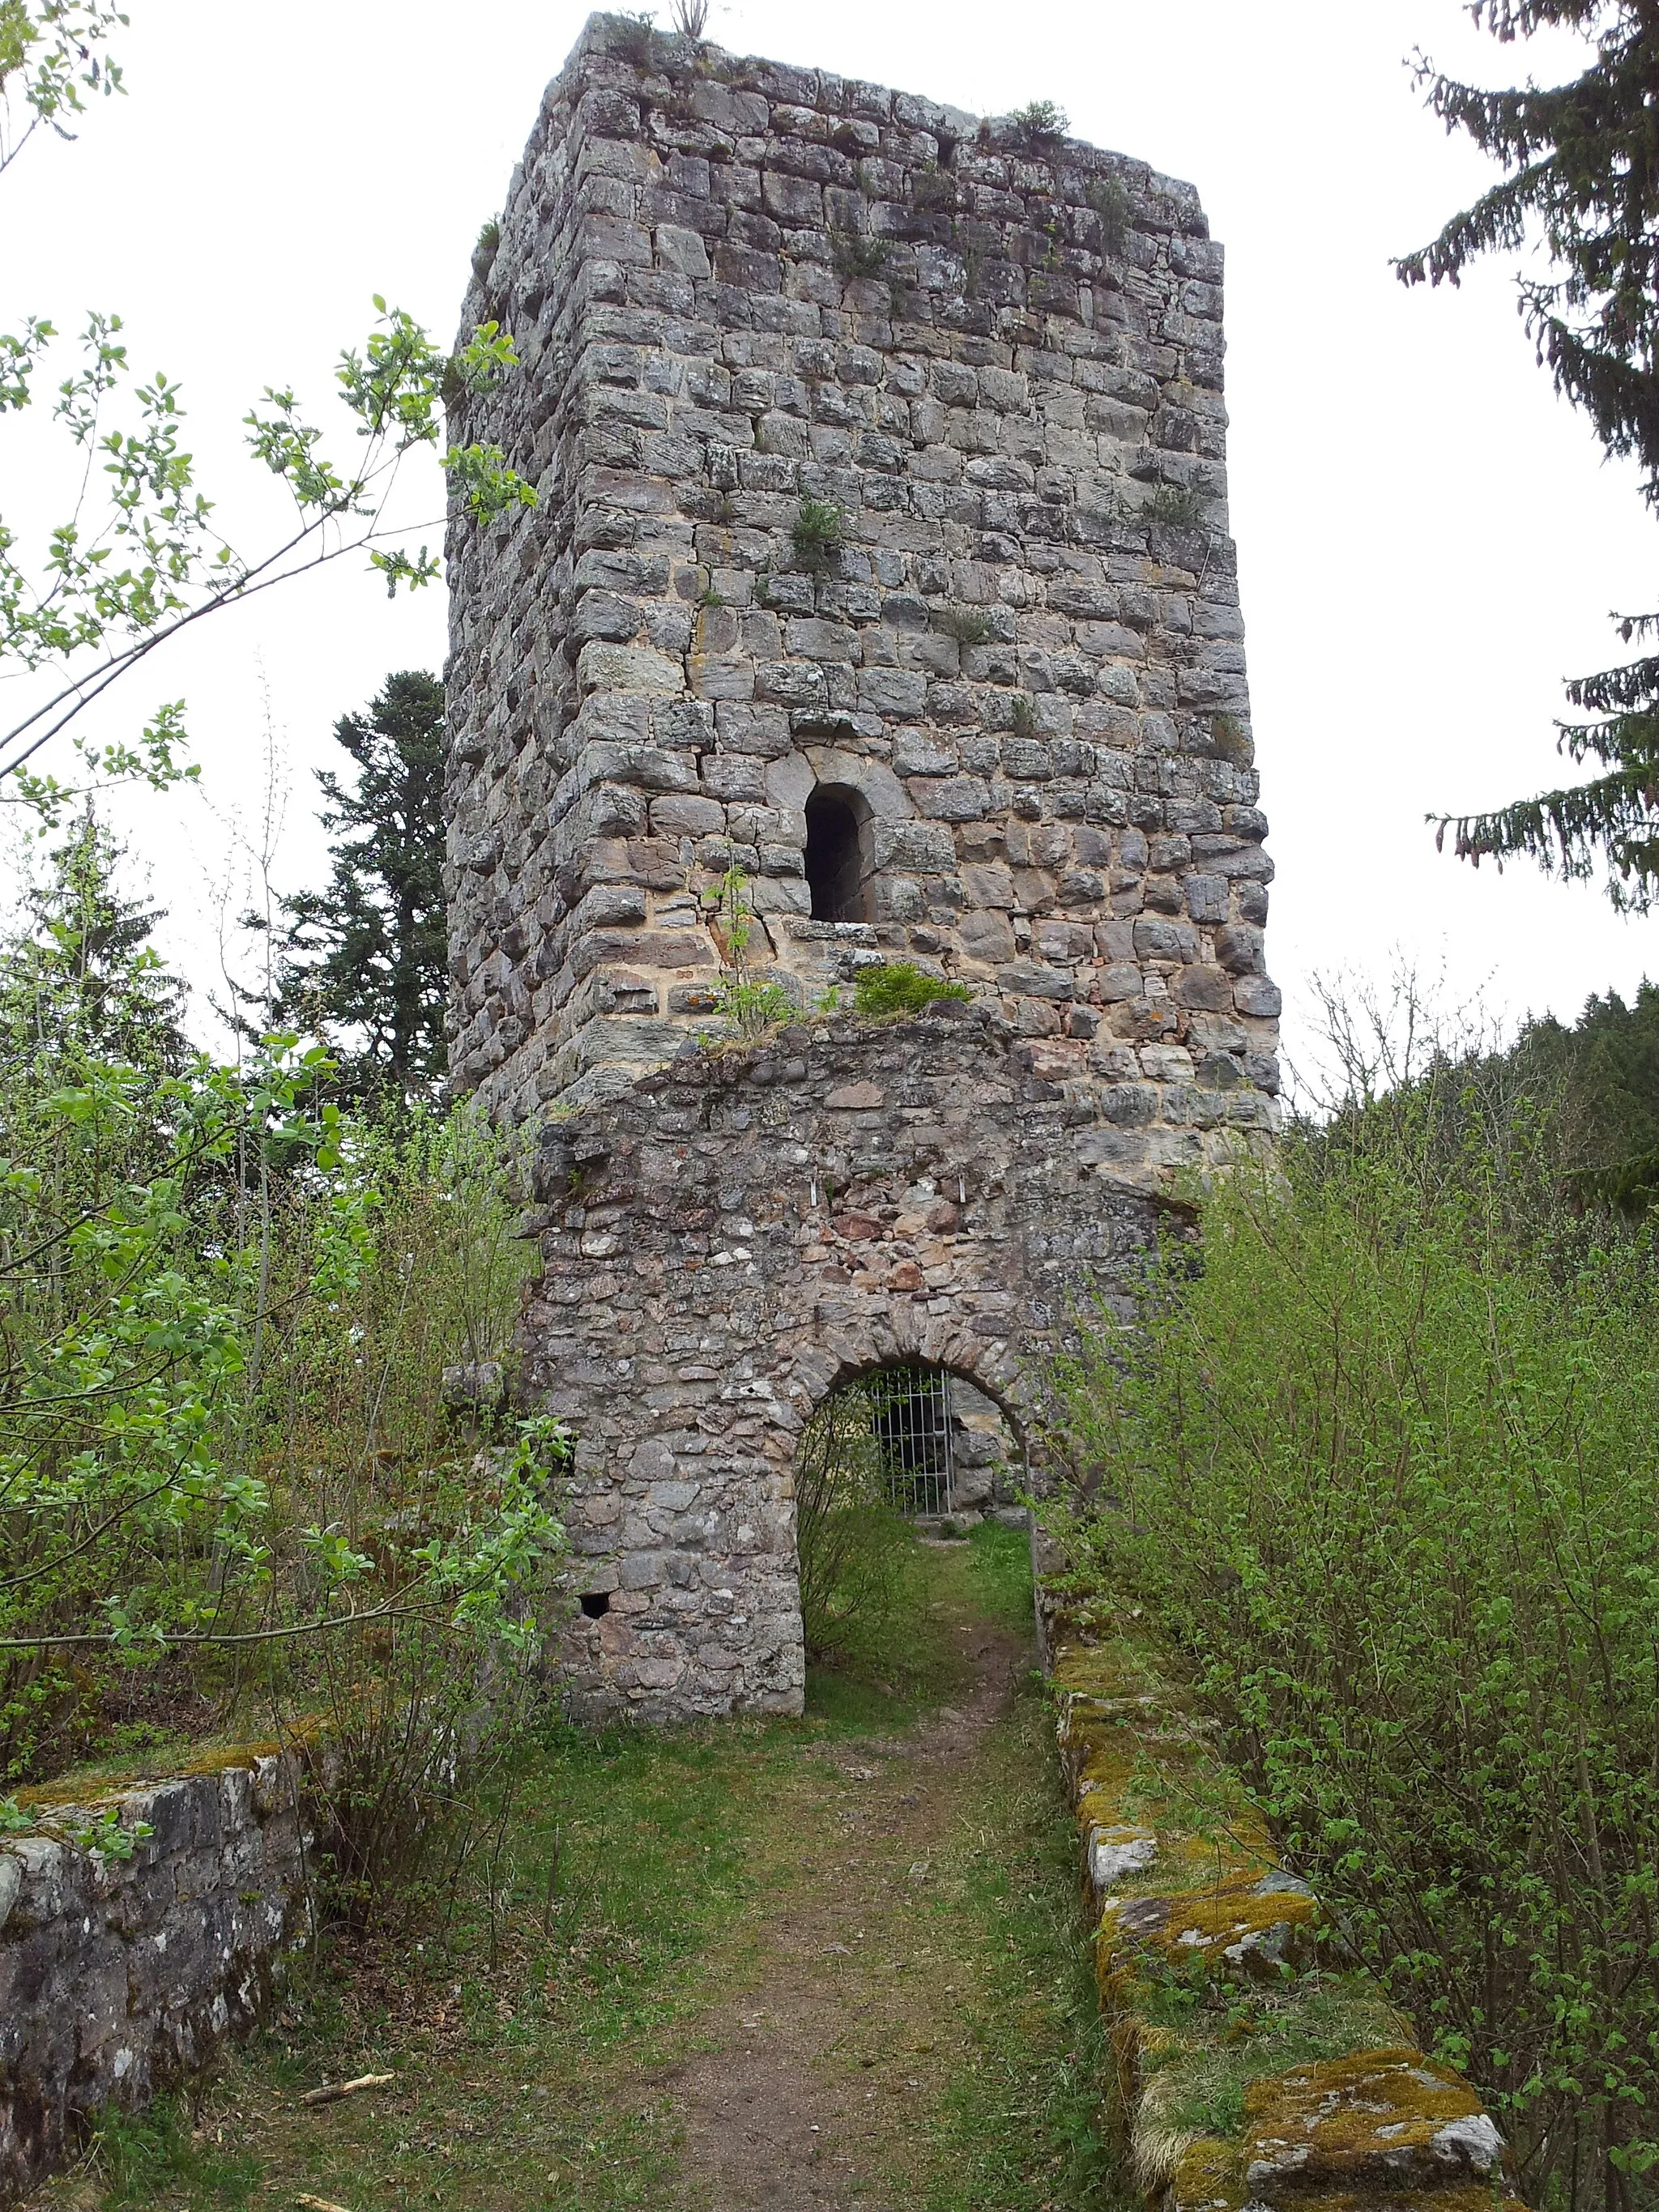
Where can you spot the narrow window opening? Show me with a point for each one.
(595, 1603)
(835, 870)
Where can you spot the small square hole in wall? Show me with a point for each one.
(595, 1603)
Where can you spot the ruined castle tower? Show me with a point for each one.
(881, 555)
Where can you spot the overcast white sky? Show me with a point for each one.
(1429, 540)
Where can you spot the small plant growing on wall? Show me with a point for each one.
(1039, 124)
(933, 190)
(1023, 724)
(634, 39)
(854, 255)
(691, 18)
(1110, 198)
(483, 254)
(1176, 506)
(818, 534)
(750, 1004)
(968, 625)
(899, 986)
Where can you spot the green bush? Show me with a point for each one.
(818, 533)
(228, 1480)
(1385, 1470)
(857, 1552)
(1039, 124)
(899, 986)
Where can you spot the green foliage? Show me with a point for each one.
(968, 625)
(853, 255)
(1023, 716)
(147, 2158)
(899, 986)
(51, 64)
(1384, 1469)
(1581, 178)
(1037, 124)
(224, 1311)
(857, 1553)
(364, 964)
(1176, 506)
(112, 584)
(106, 1836)
(933, 190)
(751, 1004)
(818, 534)
(1110, 198)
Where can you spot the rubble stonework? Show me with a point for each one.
(742, 1233)
(117, 1976)
(881, 555)
(1027, 687)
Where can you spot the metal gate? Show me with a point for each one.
(910, 1422)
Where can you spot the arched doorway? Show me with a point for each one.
(925, 1442)
(839, 858)
(904, 1449)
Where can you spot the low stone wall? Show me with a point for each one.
(1254, 2067)
(120, 1975)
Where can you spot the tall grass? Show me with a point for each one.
(1386, 1469)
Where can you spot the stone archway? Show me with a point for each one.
(733, 1236)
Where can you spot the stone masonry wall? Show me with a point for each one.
(734, 286)
(746, 1231)
(117, 1976)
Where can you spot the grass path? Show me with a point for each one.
(780, 1966)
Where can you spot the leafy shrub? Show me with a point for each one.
(818, 533)
(856, 1551)
(1385, 1469)
(752, 1004)
(225, 1310)
(899, 986)
(483, 254)
(933, 190)
(1038, 124)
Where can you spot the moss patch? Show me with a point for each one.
(1242, 2061)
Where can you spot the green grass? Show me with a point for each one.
(1259, 2033)
(1021, 2128)
(906, 1655)
(141, 2158)
(533, 2072)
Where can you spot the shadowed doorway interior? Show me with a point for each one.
(838, 854)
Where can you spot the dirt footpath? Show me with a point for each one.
(844, 2019)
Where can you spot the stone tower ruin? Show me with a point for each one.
(881, 555)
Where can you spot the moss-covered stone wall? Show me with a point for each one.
(119, 1973)
(1254, 2063)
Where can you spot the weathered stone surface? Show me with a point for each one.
(1015, 669)
(740, 1233)
(117, 1977)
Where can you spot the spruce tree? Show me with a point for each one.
(364, 963)
(1582, 176)
(81, 981)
